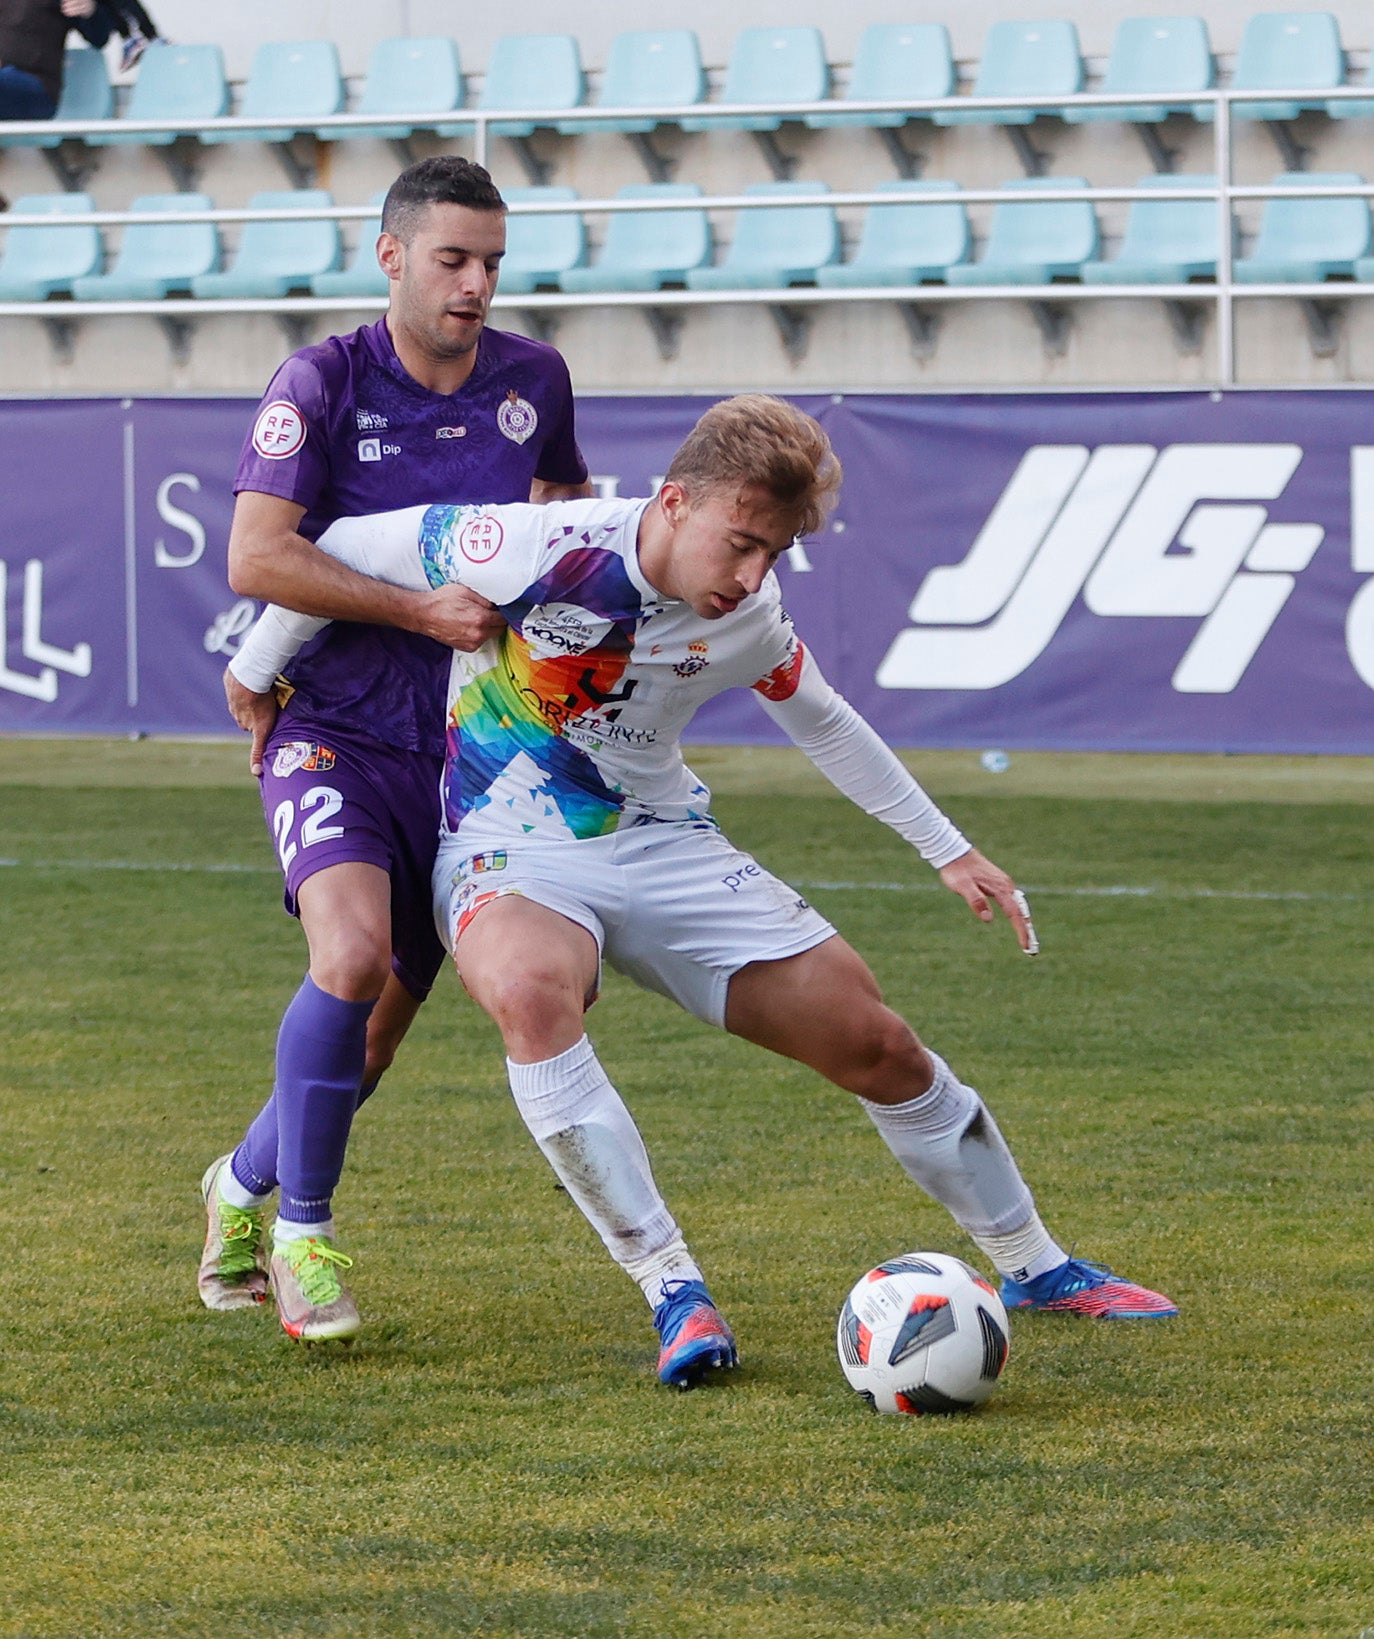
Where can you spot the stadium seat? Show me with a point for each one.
(174, 83)
(1170, 56)
(541, 248)
(411, 77)
(1302, 241)
(44, 261)
(646, 250)
(905, 242)
(363, 276)
(653, 68)
(1288, 50)
(1167, 241)
(1036, 59)
(531, 71)
(86, 95)
(1033, 242)
(275, 258)
(777, 245)
(156, 257)
(770, 65)
(1355, 107)
(295, 81)
(895, 60)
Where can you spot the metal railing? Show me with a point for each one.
(1222, 293)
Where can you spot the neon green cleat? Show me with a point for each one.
(314, 1304)
(233, 1266)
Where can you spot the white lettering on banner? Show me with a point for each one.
(76, 662)
(226, 632)
(187, 522)
(1133, 531)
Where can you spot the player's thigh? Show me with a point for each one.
(345, 911)
(532, 969)
(823, 1008)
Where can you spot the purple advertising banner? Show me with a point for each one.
(1164, 571)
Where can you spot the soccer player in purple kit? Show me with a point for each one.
(426, 402)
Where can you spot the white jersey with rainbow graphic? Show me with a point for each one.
(568, 725)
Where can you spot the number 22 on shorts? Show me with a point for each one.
(318, 805)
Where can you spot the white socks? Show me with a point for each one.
(948, 1143)
(589, 1138)
(284, 1230)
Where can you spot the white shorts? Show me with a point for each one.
(675, 907)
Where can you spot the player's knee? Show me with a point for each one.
(532, 1005)
(352, 965)
(888, 1063)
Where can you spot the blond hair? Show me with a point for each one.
(759, 440)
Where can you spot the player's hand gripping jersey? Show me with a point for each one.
(569, 726)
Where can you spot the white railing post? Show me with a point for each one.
(1226, 310)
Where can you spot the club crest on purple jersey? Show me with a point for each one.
(517, 418)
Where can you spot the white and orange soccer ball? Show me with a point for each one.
(923, 1333)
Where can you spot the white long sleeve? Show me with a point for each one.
(272, 643)
(855, 759)
(384, 545)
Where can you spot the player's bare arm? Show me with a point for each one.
(977, 880)
(269, 559)
(542, 491)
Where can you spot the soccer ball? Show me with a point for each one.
(923, 1333)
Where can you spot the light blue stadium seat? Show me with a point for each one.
(174, 83)
(363, 276)
(775, 245)
(905, 242)
(275, 258)
(895, 60)
(44, 261)
(652, 68)
(1288, 50)
(1034, 242)
(1167, 241)
(771, 65)
(1356, 107)
(1036, 59)
(539, 249)
(1168, 56)
(413, 76)
(156, 257)
(645, 251)
(531, 71)
(86, 95)
(1304, 240)
(291, 80)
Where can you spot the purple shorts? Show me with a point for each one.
(337, 799)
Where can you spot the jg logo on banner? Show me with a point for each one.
(1109, 524)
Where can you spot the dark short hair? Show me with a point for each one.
(446, 179)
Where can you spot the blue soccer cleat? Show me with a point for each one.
(1081, 1288)
(694, 1334)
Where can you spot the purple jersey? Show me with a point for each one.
(344, 430)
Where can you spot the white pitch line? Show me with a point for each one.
(1119, 890)
(1114, 891)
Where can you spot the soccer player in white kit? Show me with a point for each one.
(574, 830)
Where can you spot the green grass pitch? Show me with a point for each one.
(1185, 1075)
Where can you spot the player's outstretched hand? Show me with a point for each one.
(255, 714)
(461, 618)
(977, 880)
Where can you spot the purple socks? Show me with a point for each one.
(300, 1135)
